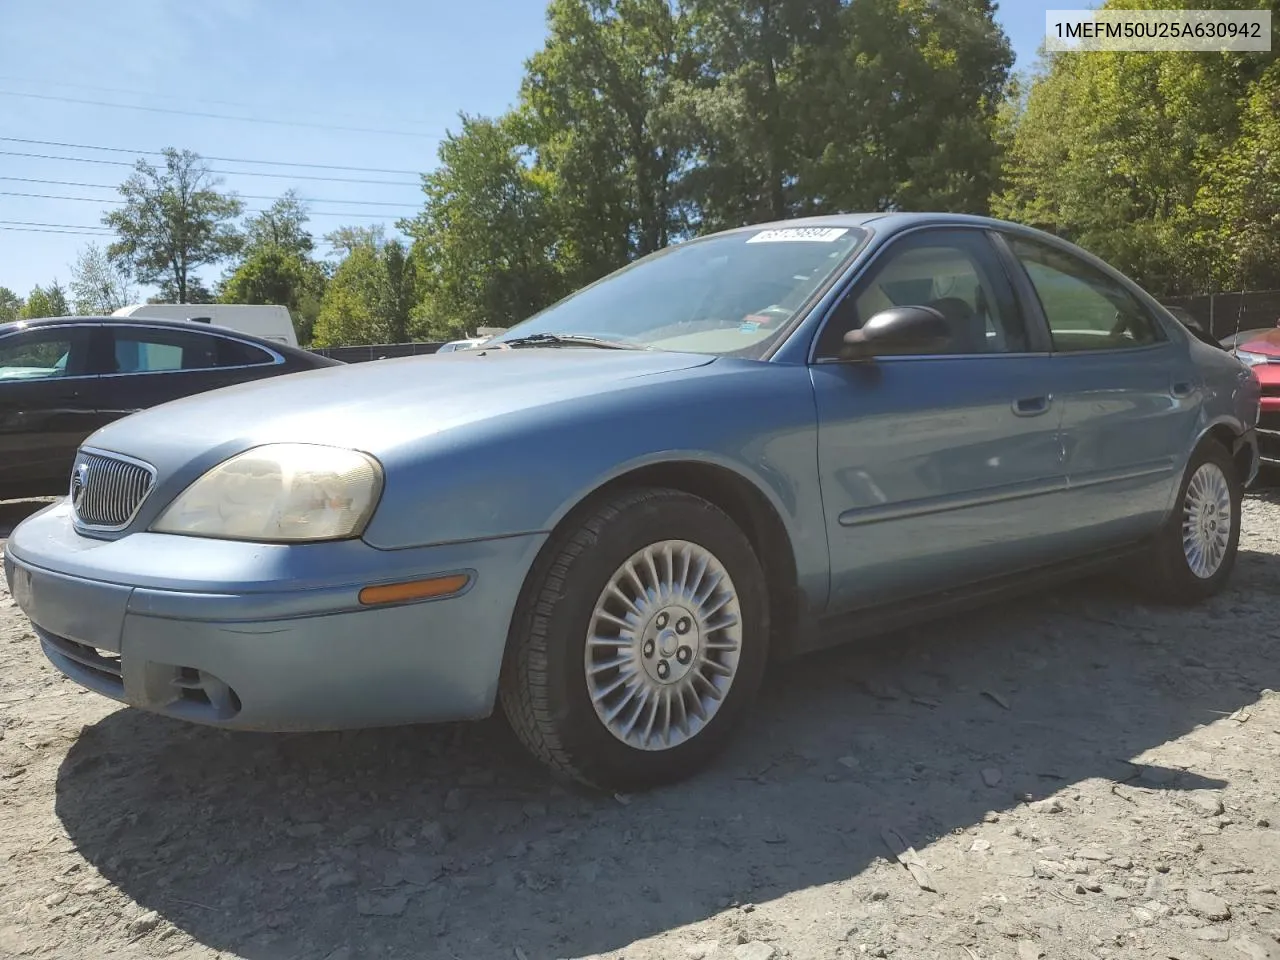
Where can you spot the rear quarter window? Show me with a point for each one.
(234, 353)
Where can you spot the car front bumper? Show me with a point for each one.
(268, 637)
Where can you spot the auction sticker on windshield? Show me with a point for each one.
(794, 234)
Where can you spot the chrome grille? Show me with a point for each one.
(107, 490)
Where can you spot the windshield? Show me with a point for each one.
(727, 294)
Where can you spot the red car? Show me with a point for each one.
(1260, 349)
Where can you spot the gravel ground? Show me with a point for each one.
(1075, 777)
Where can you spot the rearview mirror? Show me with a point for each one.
(898, 330)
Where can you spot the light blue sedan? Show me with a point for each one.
(612, 517)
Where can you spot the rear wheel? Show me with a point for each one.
(641, 638)
(1196, 551)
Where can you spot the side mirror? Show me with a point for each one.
(898, 330)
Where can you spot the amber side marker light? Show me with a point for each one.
(414, 590)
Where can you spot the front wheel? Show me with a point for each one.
(1195, 552)
(641, 638)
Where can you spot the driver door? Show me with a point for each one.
(941, 470)
(46, 407)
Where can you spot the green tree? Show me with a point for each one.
(816, 106)
(173, 221)
(370, 298)
(596, 106)
(50, 301)
(99, 286)
(275, 274)
(486, 242)
(1238, 204)
(57, 296)
(1153, 160)
(10, 305)
(347, 312)
(344, 240)
(276, 265)
(763, 63)
(398, 291)
(283, 225)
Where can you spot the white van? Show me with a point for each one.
(268, 321)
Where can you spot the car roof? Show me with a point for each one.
(153, 322)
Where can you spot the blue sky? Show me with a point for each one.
(394, 73)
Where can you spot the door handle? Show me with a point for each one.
(1182, 389)
(1032, 406)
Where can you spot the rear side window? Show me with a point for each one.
(1085, 309)
(161, 351)
(233, 353)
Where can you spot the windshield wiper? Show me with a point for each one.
(570, 340)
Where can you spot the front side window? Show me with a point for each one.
(734, 293)
(161, 351)
(1085, 309)
(953, 272)
(35, 355)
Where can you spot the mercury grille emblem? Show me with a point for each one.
(79, 482)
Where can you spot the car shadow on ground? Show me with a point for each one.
(446, 841)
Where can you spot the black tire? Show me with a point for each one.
(544, 687)
(1169, 576)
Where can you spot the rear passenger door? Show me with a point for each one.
(1130, 395)
(146, 366)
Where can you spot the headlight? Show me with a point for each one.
(1251, 359)
(279, 492)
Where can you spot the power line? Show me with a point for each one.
(62, 183)
(242, 196)
(68, 233)
(160, 153)
(231, 173)
(219, 116)
(68, 226)
(250, 210)
(56, 196)
(163, 96)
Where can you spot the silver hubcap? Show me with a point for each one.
(1206, 520)
(663, 645)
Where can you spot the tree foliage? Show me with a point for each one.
(10, 305)
(346, 240)
(99, 286)
(595, 107)
(486, 241)
(642, 122)
(370, 298)
(277, 275)
(174, 220)
(276, 265)
(1157, 162)
(50, 301)
(282, 225)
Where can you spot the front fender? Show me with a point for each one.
(524, 472)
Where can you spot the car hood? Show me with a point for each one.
(1266, 342)
(378, 406)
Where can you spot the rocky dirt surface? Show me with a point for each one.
(1077, 776)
